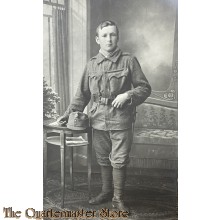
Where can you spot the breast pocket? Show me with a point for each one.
(94, 79)
(117, 80)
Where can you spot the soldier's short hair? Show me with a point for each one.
(105, 24)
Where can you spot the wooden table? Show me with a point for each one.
(63, 132)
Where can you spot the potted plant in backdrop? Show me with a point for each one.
(50, 99)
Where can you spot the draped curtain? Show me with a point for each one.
(61, 58)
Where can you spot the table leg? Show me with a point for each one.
(89, 160)
(71, 168)
(44, 163)
(62, 160)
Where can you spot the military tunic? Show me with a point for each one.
(103, 79)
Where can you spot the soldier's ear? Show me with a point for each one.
(97, 40)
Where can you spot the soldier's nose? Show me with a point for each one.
(109, 38)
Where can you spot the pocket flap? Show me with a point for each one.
(118, 73)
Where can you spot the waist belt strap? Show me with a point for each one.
(103, 101)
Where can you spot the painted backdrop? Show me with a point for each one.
(147, 30)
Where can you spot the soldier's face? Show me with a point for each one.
(108, 38)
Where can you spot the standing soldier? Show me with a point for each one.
(115, 83)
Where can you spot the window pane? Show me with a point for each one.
(61, 2)
(47, 9)
(54, 1)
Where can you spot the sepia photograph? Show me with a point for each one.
(99, 120)
(110, 109)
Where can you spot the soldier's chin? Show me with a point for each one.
(110, 49)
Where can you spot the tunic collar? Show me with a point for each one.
(112, 57)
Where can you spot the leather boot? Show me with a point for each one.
(119, 177)
(106, 193)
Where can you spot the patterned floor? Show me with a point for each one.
(148, 198)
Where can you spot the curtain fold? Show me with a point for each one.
(61, 58)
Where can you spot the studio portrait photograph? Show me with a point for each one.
(110, 109)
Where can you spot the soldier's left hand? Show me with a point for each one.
(120, 100)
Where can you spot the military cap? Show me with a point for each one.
(78, 121)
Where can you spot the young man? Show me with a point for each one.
(115, 83)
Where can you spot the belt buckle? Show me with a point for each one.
(104, 101)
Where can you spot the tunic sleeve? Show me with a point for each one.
(141, 87)
(83, 95)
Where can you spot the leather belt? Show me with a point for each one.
(102, 100)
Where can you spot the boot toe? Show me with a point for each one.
(101, 198)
